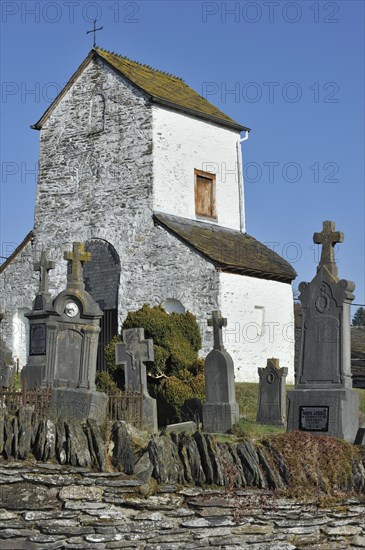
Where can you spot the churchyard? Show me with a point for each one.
(86, 468)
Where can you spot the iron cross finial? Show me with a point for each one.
(328, 237)
(94, 30)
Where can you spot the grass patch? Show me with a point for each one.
(247, 396)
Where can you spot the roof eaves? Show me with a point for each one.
(217, 120)
(17, 251)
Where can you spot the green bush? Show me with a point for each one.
(174, 391)
(177, 372)
(105, 383)
(116, 372)
(176, 338)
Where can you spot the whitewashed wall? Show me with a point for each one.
(260, 323)
(182, 143)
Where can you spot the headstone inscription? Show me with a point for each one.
(323, 400)
(272, 394)
(33, 372)
(133, 353)
(220, 411)
(71, 349)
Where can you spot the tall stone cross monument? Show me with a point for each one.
(73, 328)
(33, 372)
(220, 411)
(323, 400)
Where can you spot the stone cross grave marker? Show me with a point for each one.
(272, 394)
(77, 258)
(133, 352)
(217, 322)
(220, 410)
(328, 238)
(44, 266)
(72, 327)
(323, 400)
(33, 372)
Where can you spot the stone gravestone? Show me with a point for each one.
(7, 368)
(272, 394)
(133, 353)
(323, 401)
(33, 372)
(220, 411)
(71, 348)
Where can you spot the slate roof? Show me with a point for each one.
(17, 251)
(162, 88)
(229, 250)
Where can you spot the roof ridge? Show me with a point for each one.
(124, 57)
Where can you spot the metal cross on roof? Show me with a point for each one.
(94, 30)
(217, 322)
(77, 257)
(328, 237)
(43, 266)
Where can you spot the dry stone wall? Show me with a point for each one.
(48, 507)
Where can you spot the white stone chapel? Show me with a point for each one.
(138, 166)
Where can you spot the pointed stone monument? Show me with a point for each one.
(73, 328)
(220, 411)
(132, 353)
(272, 394)
(323, 401)
(33, 372)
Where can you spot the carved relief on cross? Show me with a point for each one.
(44, 266)
(77, 257)
(133, 353)
(217, 322)
(328, 238)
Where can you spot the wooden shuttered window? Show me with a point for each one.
(205, 203)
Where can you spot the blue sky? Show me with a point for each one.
(292, 71)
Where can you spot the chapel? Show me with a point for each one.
(148, 174)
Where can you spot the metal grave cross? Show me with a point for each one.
(44, 266)
(217, 322)
(328, 237)
(133, 353)
(94, 30)
(77, 257)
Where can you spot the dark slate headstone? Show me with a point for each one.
(323, 400)
(272, 394)
(220, 411)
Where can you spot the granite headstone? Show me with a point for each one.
(323, 400)
(220, 411)
(272, 394)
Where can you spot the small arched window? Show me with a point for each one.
(173, 306)
(97, 114)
